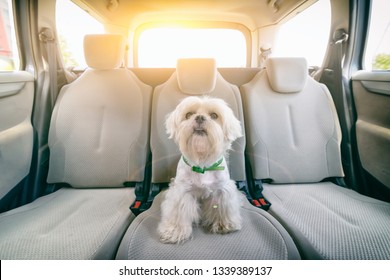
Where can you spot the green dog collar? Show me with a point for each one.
(202, 170)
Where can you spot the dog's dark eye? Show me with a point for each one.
(188, 115)
(214, 116)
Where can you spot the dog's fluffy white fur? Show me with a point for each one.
(204, 129)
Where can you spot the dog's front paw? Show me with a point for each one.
(174, 234)
(224, 227)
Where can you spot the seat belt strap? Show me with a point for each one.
(333, 77)
(144, 195)
(338, 86)
(46, 36)
(258, 199)
(255, 189)
(264, 52)
(145, 191)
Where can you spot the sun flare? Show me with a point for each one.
(161, 47)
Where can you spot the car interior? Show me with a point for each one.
(85, 159)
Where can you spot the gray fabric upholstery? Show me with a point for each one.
(68, 224)
(166, 97)
(294, 139)
(261, 237)
(332, 222)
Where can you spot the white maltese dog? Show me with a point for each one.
(202, 192)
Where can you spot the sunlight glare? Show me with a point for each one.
(161, 47)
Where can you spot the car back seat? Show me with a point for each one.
(293, 143)
(98, 139)
(261, 237)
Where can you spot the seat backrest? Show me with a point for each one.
(99, 131)
(293, 132)
(192, 77)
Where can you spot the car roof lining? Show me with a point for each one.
(132, 13)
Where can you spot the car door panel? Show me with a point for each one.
(372, 99)
(16, 131)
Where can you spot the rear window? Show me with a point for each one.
(161, 47)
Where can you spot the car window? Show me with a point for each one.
(73, 24)
(377, 53)
(306, 34)
(9, 56)
(161, 47)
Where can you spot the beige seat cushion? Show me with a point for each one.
(261, 237)
(72, 224)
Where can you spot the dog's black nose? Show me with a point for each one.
(200, 119)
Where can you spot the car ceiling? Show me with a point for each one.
(253, 14)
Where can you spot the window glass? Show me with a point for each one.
(73, 24)
(306, 34)
(377, 54)
(9, 56)
(161, 47)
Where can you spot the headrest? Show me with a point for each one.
(104, 51)
(287, 74)
(196, 76)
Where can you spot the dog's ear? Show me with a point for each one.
(232, 126)
(171, 125)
